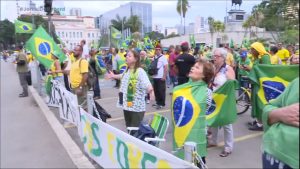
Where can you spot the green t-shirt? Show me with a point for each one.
(22, 68)
(281, 140)
(265, 59)
(242, 72)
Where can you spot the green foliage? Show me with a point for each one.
(120, 23)
(7, 33)
(184, 5)
(289, 37)
(155, 35)
(134, 23)
(172, 35)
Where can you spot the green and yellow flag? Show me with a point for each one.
(188, 116)
(269, 81)
(148, 43)
(41, 45)
(121, 65)
(23, 27)
(223, 107)
(192, 41)
(115, 33)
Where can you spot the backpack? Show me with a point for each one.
(153, 70)
(145, 131)
(92, 77)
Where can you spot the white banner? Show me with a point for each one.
(68, 106)
(112, 148)
(53, 99)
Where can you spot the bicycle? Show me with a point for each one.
(243, 98)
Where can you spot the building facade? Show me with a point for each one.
(142, 10)
(170, 30)
(72, 29)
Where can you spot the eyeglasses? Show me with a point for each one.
(217, 56)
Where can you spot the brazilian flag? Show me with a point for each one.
(115, 33)
(23, 27)
(269, 81)
(223, 107)
(192, 41)
(148, 43)
(121, 65)
(42, 45)
(188, 116)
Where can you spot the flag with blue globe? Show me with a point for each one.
(41, 45)
(23, 27)
(269, 81)
(188, 116)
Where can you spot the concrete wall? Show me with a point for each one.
(225, 37)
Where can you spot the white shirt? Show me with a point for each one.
(162, 61)
(85, 52)
(220, 78)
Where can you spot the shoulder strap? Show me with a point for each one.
(80, 65)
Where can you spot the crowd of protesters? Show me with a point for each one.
(175, 65)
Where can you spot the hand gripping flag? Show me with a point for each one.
(41, 45)
(23, 27)
(188, 116)
(223, 107)
(269, 81)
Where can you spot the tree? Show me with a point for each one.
(211, 21)
(172, 35)
(134, 23)
(7, 33)
(182, 7)
(155, 35)
(119, 23)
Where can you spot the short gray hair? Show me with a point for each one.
(222, 51)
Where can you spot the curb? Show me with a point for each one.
(76, 155)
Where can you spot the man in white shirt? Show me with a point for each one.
(159, 80)
(85, 52)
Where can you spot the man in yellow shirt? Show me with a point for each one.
(275, 60)
(229, 58)
(78, 76)
(283, 53)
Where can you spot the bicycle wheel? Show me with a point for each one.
(242, 102)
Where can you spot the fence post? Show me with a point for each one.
(90, 100)
(189, 148)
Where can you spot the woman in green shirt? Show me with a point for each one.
(281, 129)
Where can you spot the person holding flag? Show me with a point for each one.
(55, 69)
(190, 102)
(223, 73)
(22, 69)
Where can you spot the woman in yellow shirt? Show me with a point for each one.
(55, 69)
(275, 59)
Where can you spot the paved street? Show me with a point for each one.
(27, 141)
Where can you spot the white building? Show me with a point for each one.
(72, 29)
(170, 30)
(75, 11)
(201, 25)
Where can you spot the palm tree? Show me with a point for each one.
(119, 23)
(134, 23)
(211, 21)
(182, 7)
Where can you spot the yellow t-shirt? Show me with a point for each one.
(283, 54)
(275, 60)
(53, 68)
(29, 58)
(229, 59)
(72, 58)
(122, 54)
(76, 72)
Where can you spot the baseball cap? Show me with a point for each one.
(184, 44)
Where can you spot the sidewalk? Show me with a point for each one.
(27, 140)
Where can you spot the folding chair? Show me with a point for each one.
(160, 125)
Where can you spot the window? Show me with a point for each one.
(70, 33)
(81, 34)
(73, 34)
(240, 17)
(92, 34)
(77, 34)
(63, 34)
(58, 33)
(88, 35)
(66, 34)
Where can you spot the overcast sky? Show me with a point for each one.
(163, 12)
